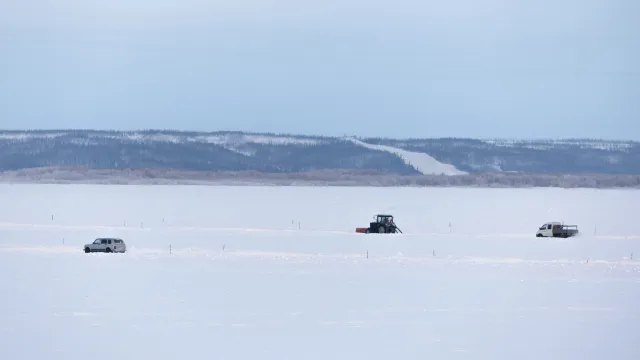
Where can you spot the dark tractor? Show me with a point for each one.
(383, 225)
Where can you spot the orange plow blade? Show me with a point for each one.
(361, 230)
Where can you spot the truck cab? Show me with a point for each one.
(546, 230)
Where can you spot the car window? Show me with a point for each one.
(97, 241)
(104, 241)
(118, 241)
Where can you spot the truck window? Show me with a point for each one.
(103, 241)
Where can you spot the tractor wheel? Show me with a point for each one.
(381, 230)
(367, 231)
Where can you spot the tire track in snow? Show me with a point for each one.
(301, 257)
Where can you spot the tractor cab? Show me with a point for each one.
(383, 219)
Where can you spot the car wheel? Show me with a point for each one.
(87, 250)
(108, 250)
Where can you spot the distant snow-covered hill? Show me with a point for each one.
(274, 153)
(421, 161)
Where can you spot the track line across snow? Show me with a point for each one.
(320, 257)
(27, 226)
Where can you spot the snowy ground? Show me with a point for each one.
(278, 273)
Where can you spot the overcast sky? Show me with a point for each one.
(402, 68)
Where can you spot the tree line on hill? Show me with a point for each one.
(87, 149)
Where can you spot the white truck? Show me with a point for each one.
(107, 245)
(557, 229)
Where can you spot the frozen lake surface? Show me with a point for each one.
(279, 273)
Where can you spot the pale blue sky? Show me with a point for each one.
(402, 68)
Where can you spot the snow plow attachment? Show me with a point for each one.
(361, 230)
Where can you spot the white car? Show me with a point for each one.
(106, 245)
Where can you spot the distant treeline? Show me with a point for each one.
(313, 178)
(238, 151)
(541, 156)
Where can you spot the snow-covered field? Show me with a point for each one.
(278, 273)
